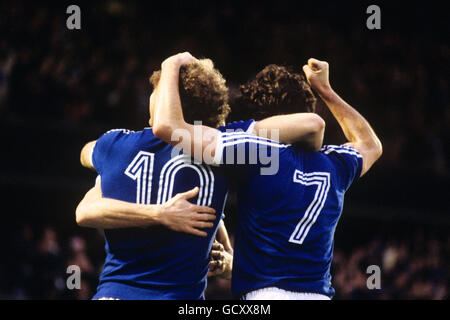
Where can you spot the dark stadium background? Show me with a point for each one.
(61, 88)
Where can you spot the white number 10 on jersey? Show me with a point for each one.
(141, 170)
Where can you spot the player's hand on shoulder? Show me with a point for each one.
(181, 215)
(221, 263)
(317, 74)
(179, 60)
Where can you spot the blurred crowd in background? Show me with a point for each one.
(397, 78)
(411, 268)
(98, 77)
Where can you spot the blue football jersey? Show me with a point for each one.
(155, 262)
(289, 203)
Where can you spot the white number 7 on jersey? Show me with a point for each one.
(322, 181)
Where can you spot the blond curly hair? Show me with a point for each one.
(203, 93)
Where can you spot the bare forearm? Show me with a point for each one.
(169, 124)
(177, 214)
(353, 124)
(168, 112)
(107, 213)
(305, 128)
(356, 129)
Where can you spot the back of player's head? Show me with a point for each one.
(203, 93)
(275, 90)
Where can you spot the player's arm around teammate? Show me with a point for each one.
(177, 214)
(355, 127)
(306, 127)
(169, 118)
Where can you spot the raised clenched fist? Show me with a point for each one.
(316, 72)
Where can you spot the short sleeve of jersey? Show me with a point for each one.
(103, 148)
(351, 162)
(238, 126)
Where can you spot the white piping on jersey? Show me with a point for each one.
(237, 135)
(126, 131)
(240, 138)
(259, 142)
(340, 149)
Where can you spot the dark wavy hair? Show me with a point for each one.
(203, 93)
(275, 90)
